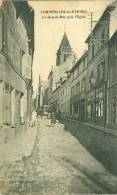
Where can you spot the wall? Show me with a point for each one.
(112, 87)
(59, 71)
(13, 45)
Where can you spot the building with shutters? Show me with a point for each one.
(78, 80)
(97, 69)
(16, 55)
(99, 66)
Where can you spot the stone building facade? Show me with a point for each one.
(54, 101)
(64, 97)
(112, 83)
(78, 79)
(98, 66)
(16, 55)
(97, 71)
(42, 93)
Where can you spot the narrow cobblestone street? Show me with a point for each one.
(59, 165)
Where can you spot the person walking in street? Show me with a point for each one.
(59, 115)
(41, 113)
(34, 118)
(53, 118)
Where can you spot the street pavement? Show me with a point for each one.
(101, 142)
(58, 165)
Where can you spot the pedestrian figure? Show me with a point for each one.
(53, 118)
(48, 115)
(34, 118)
(59, 115)
(41, 113)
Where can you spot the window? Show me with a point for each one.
(114, 109)
(3, 32)
(116, 47)
(83, 84)
(7, 104)
(92, 50)
(100, 76)
(99, 105)
(78, 88)
(103, 38)
(65, 57)
(75, 73)
(71, 91)
(66, 91)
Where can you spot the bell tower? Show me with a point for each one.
(64, 51)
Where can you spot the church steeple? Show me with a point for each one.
(64, 50)
(65, 43)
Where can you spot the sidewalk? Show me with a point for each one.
(20, 146)
(106, 130)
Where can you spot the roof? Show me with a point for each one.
(109, 8)
(51, 72)
(77, 63)
(65, 43)
(26, 12)
(114, 37)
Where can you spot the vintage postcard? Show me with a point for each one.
(58, 97)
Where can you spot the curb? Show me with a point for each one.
(96, 127)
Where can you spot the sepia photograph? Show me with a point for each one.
(58, 97)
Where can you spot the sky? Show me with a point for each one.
(49, 32)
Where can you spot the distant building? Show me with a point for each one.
(78, 80)
(54, 100)
(64, 61)
(64, 97)
(50, 85)
(64, 51)
(42, 93)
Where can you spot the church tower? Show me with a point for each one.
(64, 51)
